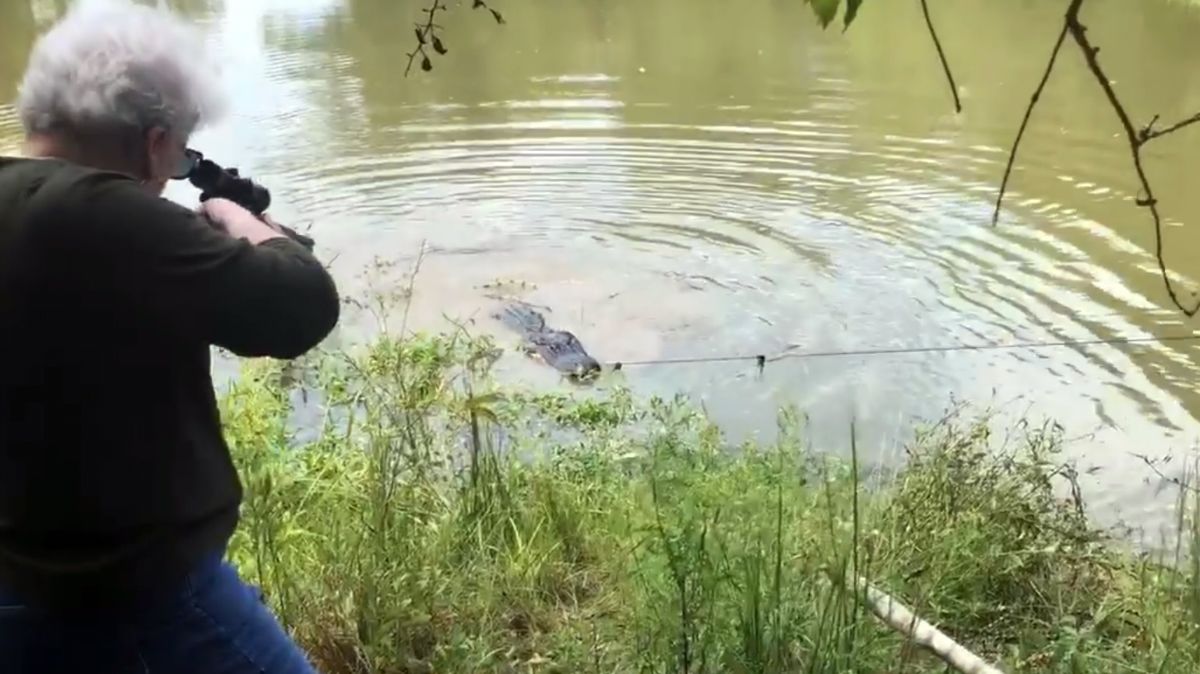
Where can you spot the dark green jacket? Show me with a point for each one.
(114, 473)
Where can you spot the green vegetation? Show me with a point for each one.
(435, 522)
(827, 10)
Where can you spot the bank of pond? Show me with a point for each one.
(432, 520)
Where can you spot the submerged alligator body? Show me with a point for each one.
(557, 348)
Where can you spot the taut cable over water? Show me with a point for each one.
(789, 354)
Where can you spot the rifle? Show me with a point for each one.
(215, 181)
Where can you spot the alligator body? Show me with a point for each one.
(557, 348)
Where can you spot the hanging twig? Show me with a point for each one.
(941, 55)
(1033, 101)
(425, 35)
(1137, 140)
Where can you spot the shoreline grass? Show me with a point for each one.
(434, 521)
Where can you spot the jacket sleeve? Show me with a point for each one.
(273, 299)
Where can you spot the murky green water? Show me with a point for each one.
(685, 178)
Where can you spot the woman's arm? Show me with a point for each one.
(250, 290)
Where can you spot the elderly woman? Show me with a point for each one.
(117, 492)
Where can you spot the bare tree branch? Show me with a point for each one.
(1033, 101)
(1136, 141)
(941, 55)
(1148, 134)
(1136, 138)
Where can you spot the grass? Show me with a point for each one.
(429, 520)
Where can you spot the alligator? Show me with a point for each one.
(557, 348)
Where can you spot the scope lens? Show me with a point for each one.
(187, 164)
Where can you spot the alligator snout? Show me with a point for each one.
(584, 367)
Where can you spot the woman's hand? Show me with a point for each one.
(238, 222)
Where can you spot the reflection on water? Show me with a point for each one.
(694, 177)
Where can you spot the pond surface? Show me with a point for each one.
(695, 178)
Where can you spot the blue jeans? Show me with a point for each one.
(215, 624)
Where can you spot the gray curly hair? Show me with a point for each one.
(112, 65)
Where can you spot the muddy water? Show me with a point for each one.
(690, 178)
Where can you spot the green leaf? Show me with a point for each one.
(826, 10)
(851, 11)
